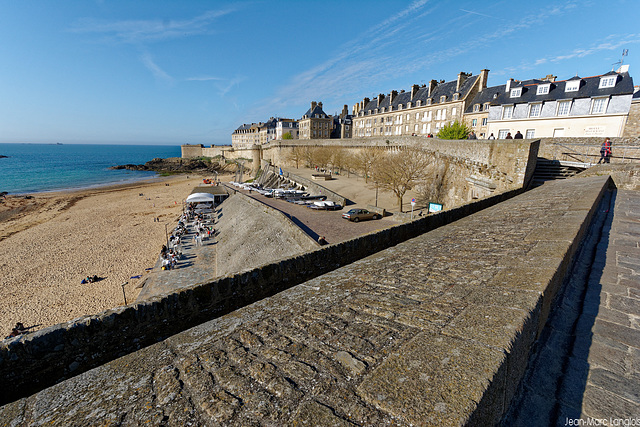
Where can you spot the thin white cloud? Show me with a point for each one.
(145, 31)
(477, 13)
(612, 43)
(158, 72)
(203, 78)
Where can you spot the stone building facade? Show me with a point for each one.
(632, 127)
(422, 111)
(315, 123)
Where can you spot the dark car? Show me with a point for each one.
(356, 215)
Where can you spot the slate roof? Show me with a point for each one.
(447, 89)
(317, 110)
(484, 96)
(588, 88)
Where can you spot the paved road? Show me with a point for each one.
(329, 224)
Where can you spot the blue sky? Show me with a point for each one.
(169, 72)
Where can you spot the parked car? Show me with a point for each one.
(356, 215)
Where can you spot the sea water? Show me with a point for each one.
(30, 168)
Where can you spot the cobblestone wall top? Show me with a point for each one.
(433, 331)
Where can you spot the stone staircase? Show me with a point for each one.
(548, 170)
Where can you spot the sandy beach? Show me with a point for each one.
(54, 240)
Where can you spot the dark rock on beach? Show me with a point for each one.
(174, 165)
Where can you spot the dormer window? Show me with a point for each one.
(543, 89)
(419, 103)
(399, 106)
(515, 93)
(476, 108)
(382, 110)
(456, 96)
(486, 106)
(443, 98)
(572, 86)
(375, 111)
(390, 107)
(608, 81)
(429, 101)
(409, 104)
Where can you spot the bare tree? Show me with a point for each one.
(366, 160)
(321, 156)
(296, 155)
(399, 171)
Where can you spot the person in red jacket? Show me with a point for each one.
(605, 151)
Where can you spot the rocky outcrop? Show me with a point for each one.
(176, 165)
(3, 157)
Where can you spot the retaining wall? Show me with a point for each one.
(32, 362)
(433, 331)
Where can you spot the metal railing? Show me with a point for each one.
(591, 153)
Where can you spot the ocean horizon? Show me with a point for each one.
(33, 168)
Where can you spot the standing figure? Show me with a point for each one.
(605, 151)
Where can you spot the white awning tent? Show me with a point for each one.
(200, 197)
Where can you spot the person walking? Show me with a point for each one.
(605, 151)
(518, 135)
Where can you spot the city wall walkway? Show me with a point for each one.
(433, 331)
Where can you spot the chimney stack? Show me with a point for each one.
(314, 104)
(320, 105)
(462, 77)
(393, 95)
(380, 98)
(414, 91)
(509, 83)
(432, 86)
(484, 76)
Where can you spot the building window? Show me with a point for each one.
(502, 133)
(474, 122)
(609, 81)
(599, 106)
(476, 108)
(572, 86)
(531, 133)
(563, 108)
(429, 101)
(417, 116)
(453, 111)
(456, 96)
(419, 103)
(444, 114)
(484, 121)
(399, 106)
(534, 110)
(507, 112)
(515, 93)
(543, 89)
(438, 114)
(486, 106)
(443, 98)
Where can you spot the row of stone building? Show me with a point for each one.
(601, 105)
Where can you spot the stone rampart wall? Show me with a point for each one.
(587, 149)
(32, 362)
(436, 330)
